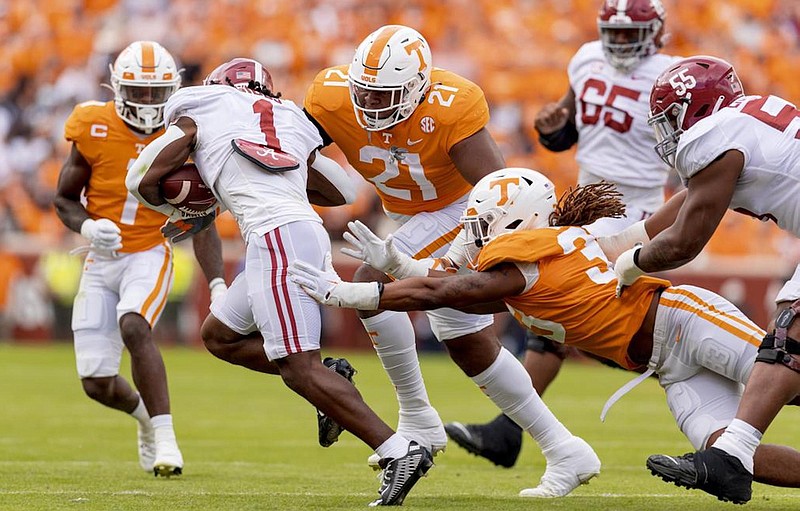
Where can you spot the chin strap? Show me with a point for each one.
(777, 347)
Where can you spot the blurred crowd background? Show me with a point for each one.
(55, 54)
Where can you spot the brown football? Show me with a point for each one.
(185, 189)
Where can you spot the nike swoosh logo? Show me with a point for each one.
(413, 142)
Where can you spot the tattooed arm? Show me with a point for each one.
(455, 291)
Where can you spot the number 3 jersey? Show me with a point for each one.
(259, 200)
(109, 146)
(570, 295)
(612, 107)
(766, 130)
(409, 164)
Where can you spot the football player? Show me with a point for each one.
(557, 282)
(418, 135)
(128, 268)
(604, 112)
(732, 152)
(255, 151)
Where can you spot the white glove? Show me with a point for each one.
(381, 254)
(217, 288)
(103, 234)
(626, 270)
(326, 287)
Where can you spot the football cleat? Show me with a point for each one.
(168, 461)
(424, 427)
(499, 441)
(401, 474)
(328, 429)
(573, 464)
(146, 442)
(714, 471)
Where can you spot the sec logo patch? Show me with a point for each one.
(427, 125)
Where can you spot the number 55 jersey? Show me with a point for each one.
(766, 130)
(409, 164)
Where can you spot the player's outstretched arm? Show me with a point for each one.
(422, 293)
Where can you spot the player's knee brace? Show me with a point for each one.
(539, 344)
(777, 347)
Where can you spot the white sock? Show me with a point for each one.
(394, 447)
(162, 425)
(393, 337)
(140, 414)
(740, 439)
(509, 386)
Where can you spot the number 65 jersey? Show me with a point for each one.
(611, 111)
(409, 164)
(766, 130)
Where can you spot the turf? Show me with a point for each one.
(249, 443)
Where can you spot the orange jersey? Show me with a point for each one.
(573, 300)
(110, 147)
(409, 164)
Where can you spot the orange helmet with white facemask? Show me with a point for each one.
(505, 201)
(389, 75)
(143, 77)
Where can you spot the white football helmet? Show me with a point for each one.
(389, 75)
(143, 77)
(505, 201)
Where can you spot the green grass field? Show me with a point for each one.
(249, 443)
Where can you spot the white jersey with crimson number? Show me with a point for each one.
(612, 107)
(766, 130)
(223, 114)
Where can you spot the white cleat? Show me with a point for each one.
(146, 441)
(425, 428)
(169, 461)
(574, 463)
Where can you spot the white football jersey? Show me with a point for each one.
(259, 200)
(766, 129)
(615, 143)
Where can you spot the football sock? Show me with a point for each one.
(740, 439)
(162, 425)
(394, 447)
(393, 337)
(140, 414)
(509, 386)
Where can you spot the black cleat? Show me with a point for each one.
(329, 429)
(499, 441)
(714, 471)
(401, 474)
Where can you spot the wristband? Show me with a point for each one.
(215, 282)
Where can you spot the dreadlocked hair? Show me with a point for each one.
(256, 87)
(585, 204)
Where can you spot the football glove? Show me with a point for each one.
(326, 287)
(182, 228)
(626, 270)
(103, 234)
(217, 288)
(382, 254)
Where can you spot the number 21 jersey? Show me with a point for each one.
(409, 164)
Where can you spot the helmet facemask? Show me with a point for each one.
(638, 41)
(395, 103)
(141, 106)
